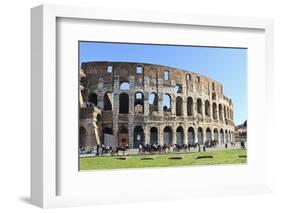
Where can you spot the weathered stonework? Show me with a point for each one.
(126, 102)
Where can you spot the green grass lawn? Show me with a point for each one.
(188, 159)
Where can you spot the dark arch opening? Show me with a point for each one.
(179, 106)
(123, 103)
(82, 137)
(180, 136)
(189, 106)
(200, 135)
(168, 135)
(221, 136)
(215, 116)
(220, 112)
(93, 99)
(199, 106)
(107, 101)
(154, 135)
(123, 139)
(190, 133)
(208, 135)
(138, 136)
(207, 108)
(167, 103)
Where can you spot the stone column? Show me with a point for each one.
(173, 104)
(100, 93)
(160, 135)
(174, 135)
(185, 141)
(146, 104)
(147, 135)
(195, 134)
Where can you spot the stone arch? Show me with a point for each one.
(139, 102)
(124, 85)
(108, 101)
(93, 99)
(167, 103)
(123, 103)
(180, 135)
(153, 102)
(226, 136)
(168, 135)
(82, 136)
(220, 112)
(179, 111)
(191, 136)
(214, 96)
(215, 115)
(207, 108)
(189, 106)
(178, 88)
(197, 79)
(221, 136)
(138, 136)
(153, 135)
(208, 135)
(216, 134)
(200, 135)
(123, 139)
(188, 77)
(199, 106)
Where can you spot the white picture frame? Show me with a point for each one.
(45, 170)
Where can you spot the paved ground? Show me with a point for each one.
(135, 151)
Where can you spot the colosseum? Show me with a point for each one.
(124, 103)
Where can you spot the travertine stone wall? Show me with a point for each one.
(98, 81)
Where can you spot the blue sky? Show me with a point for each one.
(225, 65)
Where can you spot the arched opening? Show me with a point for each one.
(153, 135)
(214, 96)
(93, 99)
(124, 85)
(221, 136)
(138, 136)
(179, 106)
(226, 137)
(220, 112)
(197, 79)
(82, 137)
(168, 135)
(107, 137)
(208, 135)
(199, 106)
(215, 116)
(123, 139)
(200, 135)
(189, 106)
(224, 110)
(207, 108)
(188, 77)
(180, 136)
(216, 135)
(123, 103)
(153, 102)
(167, 103)
(178, 88)
(190, 133)
(139, 102)
(107, 101)
(230, 136)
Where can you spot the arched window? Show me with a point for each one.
(197, 79)
(93, 99)
(189, 106)
(214, 96)
(221, 136)
(168, 135)
(200, 135)
(207, 108)
(138, 136)
(180, 135)
(107, 101)
(188, 77)
(123, 103)
(216, 135)
(167, 103)
(208, 135)
(139, 102)
(220, 112)
(190, 133)
(153, 102)
(215, 116)
(124, 86)
(224, 110)
(123, 139)
(179, 106)
(153, 135)
(199, 106)
(178, 88)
